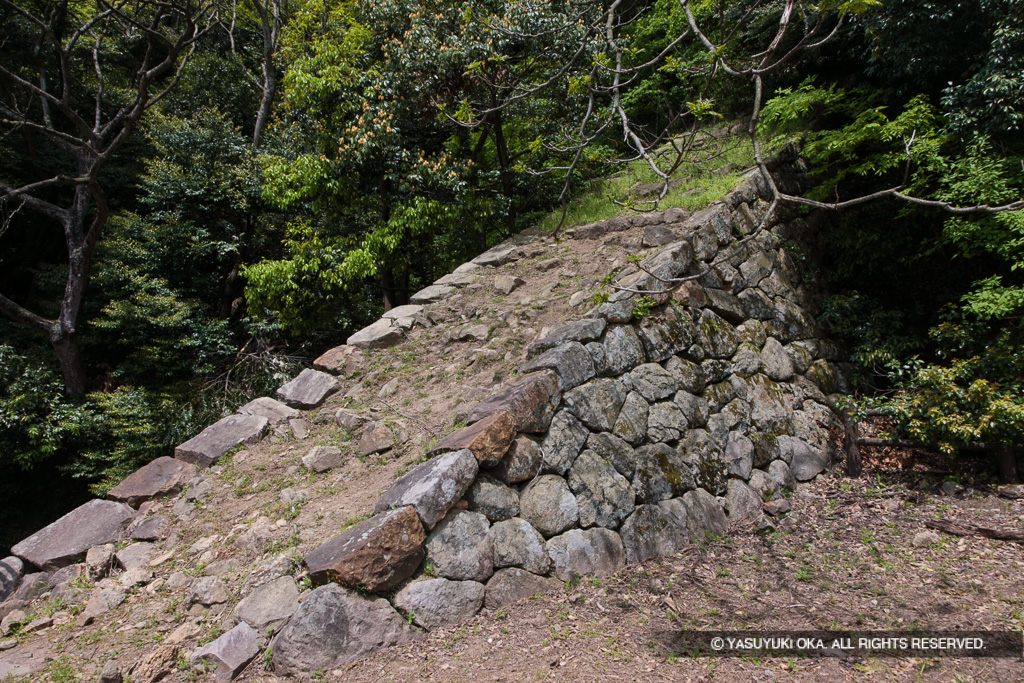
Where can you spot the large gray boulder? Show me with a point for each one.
(661, 473)
(210, 445)
(742, 503)
(604, 496)
(548, 504)
(655, 530)
(665, 332)
(718, 338)
(517, 544)
(492, 499)
(631, 424)
(275, 411)
(521, 462)
(439, 603)
(782, 475)
(334, 627)
(432, 487)
(67, 540)
(666, 422)
(615, 450)
(622, 349)
(269, 605)
(805, 461)
(309, 389)
(591, 552)
(514, 584)
(158, 479)
(228, 655)
(461, 548)
(703, 516)
(583, 331)
(11, 571)
(653, 382)
(570, 360)
(379, 335)
(563, 442)
(596, 403)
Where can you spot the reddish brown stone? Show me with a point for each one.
(342, 360)
(530, 401)
(488, 439)
(375, 555)
(162, 477)
(691, 294)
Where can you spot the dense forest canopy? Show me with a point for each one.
(197, 196)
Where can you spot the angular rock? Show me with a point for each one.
(689, 376)
(208, 591)
(530, 400)
(661, 473)
(782, 475)
(514, 584)
(334, 627)
(269, 605)
(110, 673)
(655, 530)
(322, 458)
(458, 280)
(461, 548)
(746, 361)
(777, 363)
(66, 541)
(506, 284)
(739, 455)
(492, 499)
(604, 496)
(623, 349)
(763, 485)
(653, 382)
(230, 654)
(805, 461)
(309, 389)
(703, 515)
(769, 411)
(207, 447)
(518, 544)
(432, 487)
(375, 555)
(631, 424)
(570, 360)
(498, 255)
(100, 602)
(156, 665)
(695, 409)
(488, 440)
(666, 332)
(521, 463)
(596, 403)
(742, 503)
(99, 560)
(656, 236)
(593, 552)
(549, 505)
(777, 507)
(615, 450)
(161, 478)
(376, 437)
(705, 459)
(399, 312)
(11, 571)
(582, 331)
(275, 411)
(666, 422)
(726, 305)
(718, 338)
(342, 360)
(348, 420)
(379, 335)
(136, 555)
(563, 442)
(429, 295)
(440, 603)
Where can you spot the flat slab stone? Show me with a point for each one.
(67, 540)
(136, 555)
(342, 360)
(488, 440)
(439, 603)
(309, 389)
(379, 335)
(513, 584)
(210, 445)
(151, 529)
(498, 255)
(429, 295)
(11, 571)
(275, 411)
(457, 279)
(376, 554)
(583, 331)
(270, 604)
(407, 311)
(334, 627)
(570, 360)
(432, 487)
(163, 477)
(230, 653)
(530, 400)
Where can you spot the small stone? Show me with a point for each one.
(207, 591)
(309, 389)
(151, 529)
(322, 459)
(777, 507)
(376, 438)
(230, 653)
(100, 602)
(923, 539)
(440, 603)
(13, 618)
(506, 284)
(110, 673)
(294, 495)
(346, 419)
(156, 665)
(135, 556)
(98, 561)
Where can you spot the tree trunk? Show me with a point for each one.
(1007, 457)
(501, 145)
(69, 355)
(854, 467)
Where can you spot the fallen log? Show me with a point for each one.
(963, 529)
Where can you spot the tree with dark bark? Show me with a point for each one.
(77, 79)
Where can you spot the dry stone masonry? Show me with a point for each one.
(653, 422)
